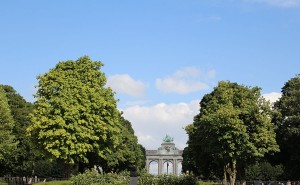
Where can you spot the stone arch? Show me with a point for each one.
(179, 166)
(168, 166)
(167, 152)
(153, 167)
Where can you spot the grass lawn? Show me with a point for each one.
(2, 182)
(54, 183)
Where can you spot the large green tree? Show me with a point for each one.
(7, 139)
(75, 114)
(232, 129)
(288, 133)
(22, 160)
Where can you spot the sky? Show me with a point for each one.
(159, 56)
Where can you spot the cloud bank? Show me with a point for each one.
(185, 81)
(123, 83)
(152, 123)
(272, 97)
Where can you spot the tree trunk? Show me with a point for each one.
(231, 169)
(224, 176)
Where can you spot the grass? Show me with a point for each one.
(207, 183)
(2, 182)
(54, 183)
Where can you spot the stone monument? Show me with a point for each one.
(166, 153)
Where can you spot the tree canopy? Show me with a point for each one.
(233, 128)
(75, 114)
(288, 122)
(7, 139)
(22, 159)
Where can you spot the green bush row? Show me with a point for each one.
(95, 178)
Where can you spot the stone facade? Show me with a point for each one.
(166, 153)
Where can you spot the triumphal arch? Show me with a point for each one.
(165, 154)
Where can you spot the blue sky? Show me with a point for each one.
(160, 56)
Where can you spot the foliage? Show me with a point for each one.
(75, 114)
(21, 162)
(7, 139)
(94, 178)
(233, 129)
(55, 183)
(288, 133)
(127, 153)
(130, 152)
(49, 168)
(264, 171)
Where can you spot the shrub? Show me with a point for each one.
(264, 171)
(94, 178)
(91, 177)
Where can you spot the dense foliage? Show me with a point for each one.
(287, 120)
(264, 171)
(23, 158)
(76, 119)
(8, 144)
(95, 178)
(232, 130)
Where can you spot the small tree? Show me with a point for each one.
(75, 114)
(233, 128)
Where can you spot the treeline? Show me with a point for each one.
(73, 125)
(239, 135)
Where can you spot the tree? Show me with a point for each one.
(288, 132)
(7, 139)
(22, 160)
(75, 114)
(127, 153)
(233, 128)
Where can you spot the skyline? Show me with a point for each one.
(160, 57)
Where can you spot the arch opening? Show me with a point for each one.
(168, 167)
(153, 167)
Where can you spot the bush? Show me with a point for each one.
(264, 171)
(94, 178)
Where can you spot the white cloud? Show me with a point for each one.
(152, 123)
(185, 81)
(123, 83)
(279, 3)
(272, 97)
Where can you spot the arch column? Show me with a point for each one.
(160, 166)
(147, 165)
(175, 167)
